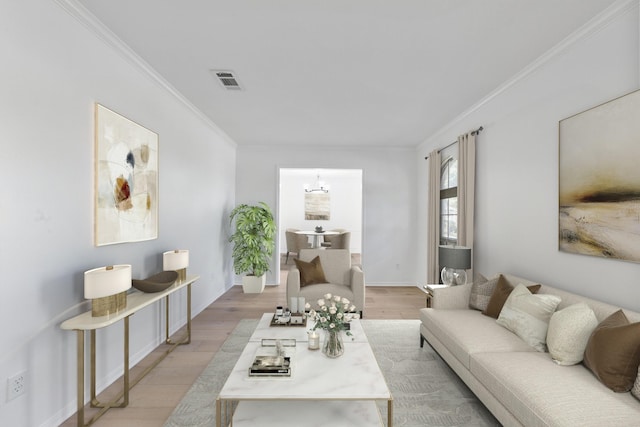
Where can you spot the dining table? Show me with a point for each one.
(316, 235)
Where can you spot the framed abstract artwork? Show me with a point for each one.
(126, 180)
(599, 180)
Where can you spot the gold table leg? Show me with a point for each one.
(80, 374)
(218, 413)
(95, 403)
(187, 338)
(390, 412)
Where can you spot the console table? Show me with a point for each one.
(84, 322)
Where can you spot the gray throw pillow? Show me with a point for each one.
(481, 291)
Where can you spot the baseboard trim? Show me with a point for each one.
(391, 284)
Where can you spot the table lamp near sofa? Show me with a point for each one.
(455, 260)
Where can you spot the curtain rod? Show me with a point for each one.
(475, 132)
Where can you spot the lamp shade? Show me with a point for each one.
(106, 281)
(458, 257)
(175, 260)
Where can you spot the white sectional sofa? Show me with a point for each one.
(519, 385)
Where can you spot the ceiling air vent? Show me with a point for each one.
(227, 79)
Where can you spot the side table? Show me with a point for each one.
(428, 290)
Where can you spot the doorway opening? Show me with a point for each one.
(313, 197)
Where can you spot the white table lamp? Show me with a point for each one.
(455, 260)
(177, 260)
(107, 287)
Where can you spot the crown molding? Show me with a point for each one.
(593, 26)
(102, 32)
(328, 147)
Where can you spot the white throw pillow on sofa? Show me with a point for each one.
(569, 332)
(527, 315)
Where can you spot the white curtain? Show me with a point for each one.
(466, 190)
(433, 213)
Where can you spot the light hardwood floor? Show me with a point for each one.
(153, 400)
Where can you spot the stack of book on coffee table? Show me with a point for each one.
(270, 366)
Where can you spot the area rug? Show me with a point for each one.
(425, 390)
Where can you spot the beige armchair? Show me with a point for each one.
(295, 242)
(342, 278)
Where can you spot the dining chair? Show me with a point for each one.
(328, 239)
(340, 241)
(295, 242)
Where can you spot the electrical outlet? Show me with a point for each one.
(16, 385)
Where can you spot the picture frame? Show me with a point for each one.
(126, 180)
(599, 180)
(317, 206)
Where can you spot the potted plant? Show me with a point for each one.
(253, 244)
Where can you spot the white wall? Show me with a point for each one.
(345, 201)
(53, 71)
(389, 188)
(517, 162)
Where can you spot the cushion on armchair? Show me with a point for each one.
(310, 272)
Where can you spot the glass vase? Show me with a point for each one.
(333, 346)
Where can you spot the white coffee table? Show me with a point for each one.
(349, 384)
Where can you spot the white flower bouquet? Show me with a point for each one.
(333, 313)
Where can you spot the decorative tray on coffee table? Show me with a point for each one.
(275, 321)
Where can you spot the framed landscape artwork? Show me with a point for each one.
(126, 180)
(317, 206)
(599, 180)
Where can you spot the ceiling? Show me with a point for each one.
(340, 73)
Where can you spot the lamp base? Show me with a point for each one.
(108, 305)
(182, 275)
(453, 276)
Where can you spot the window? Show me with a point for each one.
(449, 201)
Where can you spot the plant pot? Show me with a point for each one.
(253, 284)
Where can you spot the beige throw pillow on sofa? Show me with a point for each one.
(527, 315)
(481, 291)
(569, 332)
